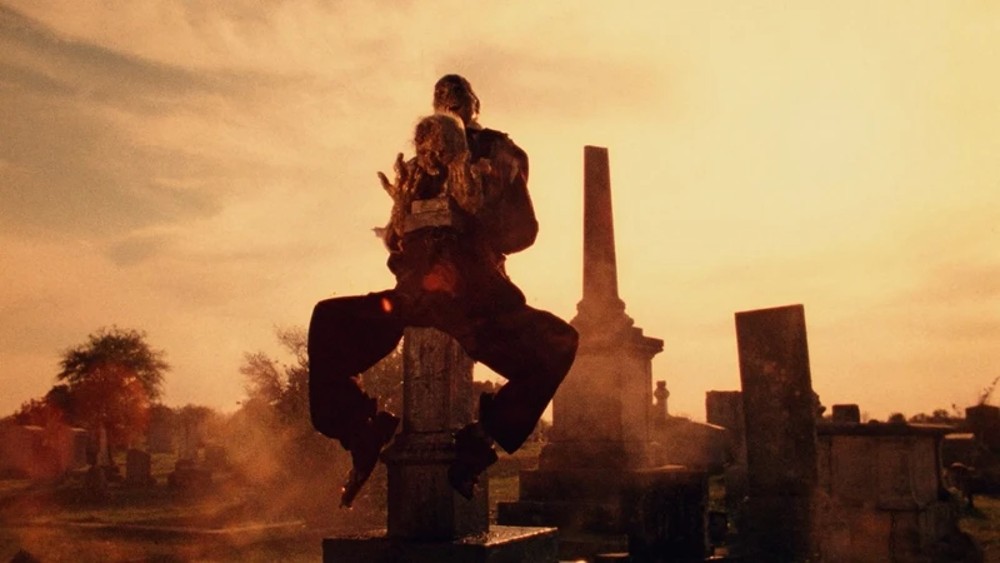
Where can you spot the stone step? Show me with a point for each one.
(577, 547)
(573, 516)
(501, 544)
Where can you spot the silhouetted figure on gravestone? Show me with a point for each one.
(460, 206)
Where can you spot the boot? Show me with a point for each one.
(473, 454)
(366, 445)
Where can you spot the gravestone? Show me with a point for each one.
(601, 473)
(95, 483)
(725, 408)
(780, 421)
(138, 469)
(427, 520)
(846, 414)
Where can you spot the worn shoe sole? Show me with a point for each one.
(383, 428)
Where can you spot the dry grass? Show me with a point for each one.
(233, 521)
(983, 524)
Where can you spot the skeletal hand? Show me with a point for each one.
(402, 176)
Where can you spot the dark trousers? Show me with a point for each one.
(446, 282)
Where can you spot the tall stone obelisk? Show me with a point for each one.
(601, 414)
(600, 478)
(600, 263)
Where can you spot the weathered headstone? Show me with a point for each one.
(95, 483)
(427, 520)
(780, 421)
(189, 476)
(846, 414)
(601, 472)
(138, 469)
(725, 408)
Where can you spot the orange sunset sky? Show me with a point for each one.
(206, 172)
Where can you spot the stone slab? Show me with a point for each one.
(575, 546)
(594, 517)
(778, 401)
(501, 544)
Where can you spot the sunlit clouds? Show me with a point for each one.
(205, 172)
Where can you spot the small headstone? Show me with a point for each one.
(95, 483)
(725, 408)
(138, 469)
(846, 414)
(187, 476)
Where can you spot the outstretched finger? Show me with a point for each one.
(385, 184)
(401, 169)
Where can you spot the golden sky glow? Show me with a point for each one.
(207, 172)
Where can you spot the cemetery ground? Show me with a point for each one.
(230, 520)
(233, 520)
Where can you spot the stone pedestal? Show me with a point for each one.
(437, 401)
(427, 520)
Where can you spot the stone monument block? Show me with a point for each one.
(852, 469)
(779, 409)
(907, 472)
(778, 402)
(882, 494)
